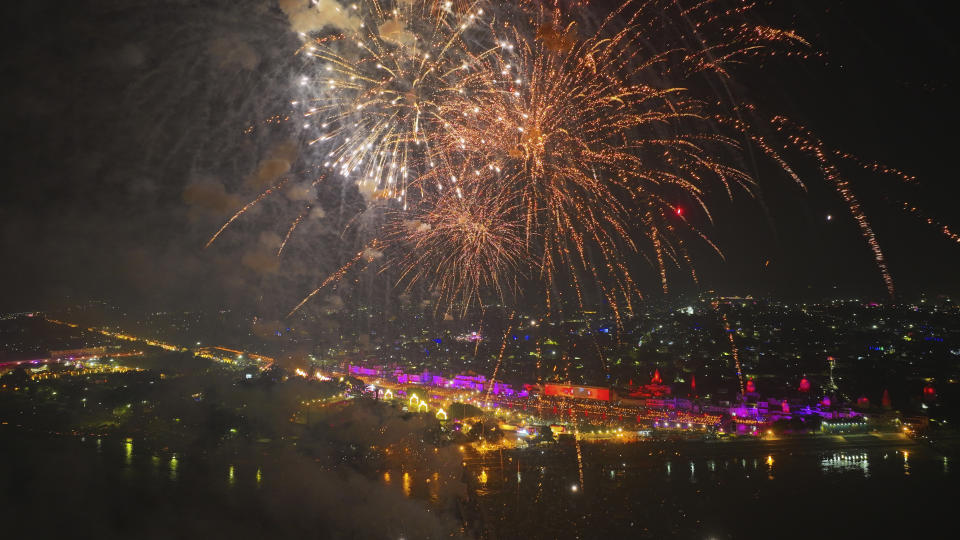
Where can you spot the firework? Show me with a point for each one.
(945, 230)
(806, 141)
(465, 242)
(243, 210)
(369, 253)
(293, 227)
(522, 141)
(596, 152)
(378, 88)
(733, 347)
(503, 348)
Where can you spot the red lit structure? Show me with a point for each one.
(654, 389)
(581, 392)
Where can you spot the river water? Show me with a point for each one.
(857, 488)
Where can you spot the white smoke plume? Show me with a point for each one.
(307, 16)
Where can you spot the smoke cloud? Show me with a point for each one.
(311, 16)
(395, 32)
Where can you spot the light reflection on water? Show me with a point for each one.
(406, 484)
(434, 487)
(618, 488)
(715, 487)
(845, 461)
(417, 484)
(122, 456)
(128, 451)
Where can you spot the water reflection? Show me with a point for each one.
(128, 451)
(407, 484)
(844, 461)
(434, 487)
(547, 501)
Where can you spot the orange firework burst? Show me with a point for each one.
(517, 140)
(464, 242)
(594, 153)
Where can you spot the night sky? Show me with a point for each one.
(124, 150)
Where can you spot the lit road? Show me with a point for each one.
(208, 352)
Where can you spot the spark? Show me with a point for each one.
(733, 347)
(243, 210)
(336, 276)
(522, 141)
(293, 227)
(945, 230)
(503, 347)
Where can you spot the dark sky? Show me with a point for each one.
(124, 149)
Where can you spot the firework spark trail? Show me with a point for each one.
(932, 222)
(807, 142)
(293, 227)
(503, 347)
(476, 345)
(336, 276)
(539, 362)
(746, 130)
(733, 346)
(243, 210)
(876, 167)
